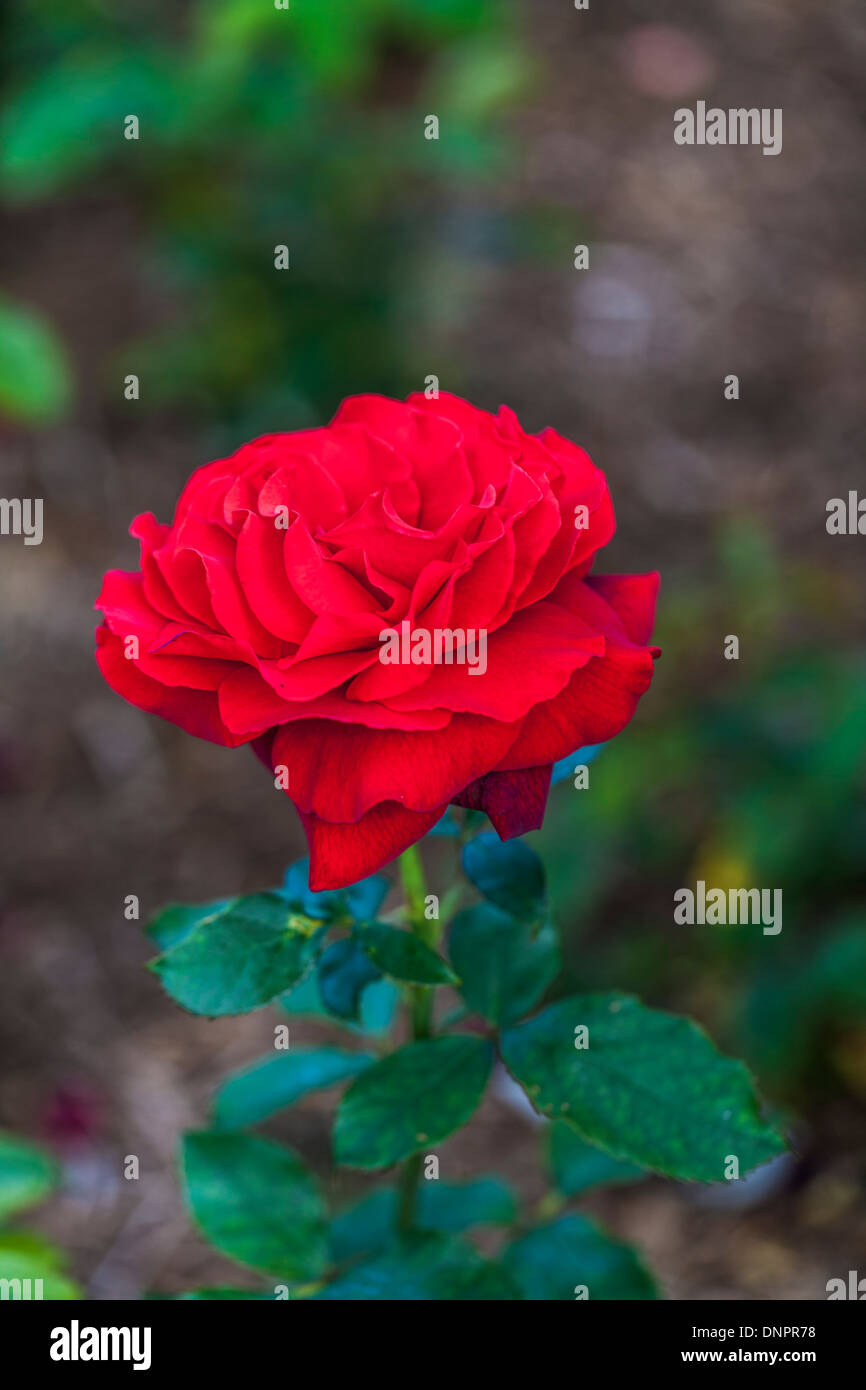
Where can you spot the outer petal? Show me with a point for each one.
(196, 711)
(633, 598)
(597, 703)
(341, 771)
(343, 853)
(514, 801)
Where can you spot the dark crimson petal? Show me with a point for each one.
(514, 801)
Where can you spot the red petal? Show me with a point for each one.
(341, 854)
(340, 771)
(633, 598)
(514, 801)
(528, 660)
(196, 711)
(597, 703)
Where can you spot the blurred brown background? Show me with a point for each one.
(454, 258)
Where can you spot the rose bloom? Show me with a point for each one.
(258, 614)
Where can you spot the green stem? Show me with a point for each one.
(415, 887)
(420, 1000)
(407, 1191)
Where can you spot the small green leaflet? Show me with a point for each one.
(236, 959)
(27, 1174)
(174, 922)
(402, 956)
(343, 974)
(504, 968)
(360, 902)
(256, 1202)
(413, 1098)
(442, 1206)
(507, 873)
(572, 1258)
(277, 1081)
(578, 1166)
(424, 1266)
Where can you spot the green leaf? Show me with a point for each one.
(365, 1227)
(366, 897)
(219, 1295)
(649, 1086)
(553, 1261)
(458, 1206)
(510, 874)
(447, 1207)
(361, 901)
(60, 125)
(34, 1247)
(23, 1258)
(411, 1099)
(378, 1007)
(503, 967)
(27, 1174)
(378, 1003)
(275, 1082)
(34, 377)
(174, 922)
(424, 1266)
(256, 1202)
(344, 973)
(326, 906)
(237, 959)
(578, 1166)
(402, 956)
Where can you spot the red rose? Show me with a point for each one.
(259, 616)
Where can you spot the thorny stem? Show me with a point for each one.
(420, 999)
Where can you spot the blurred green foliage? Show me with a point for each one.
(34, 376)
(261, 127)
(32, 1266)
(746, 773)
